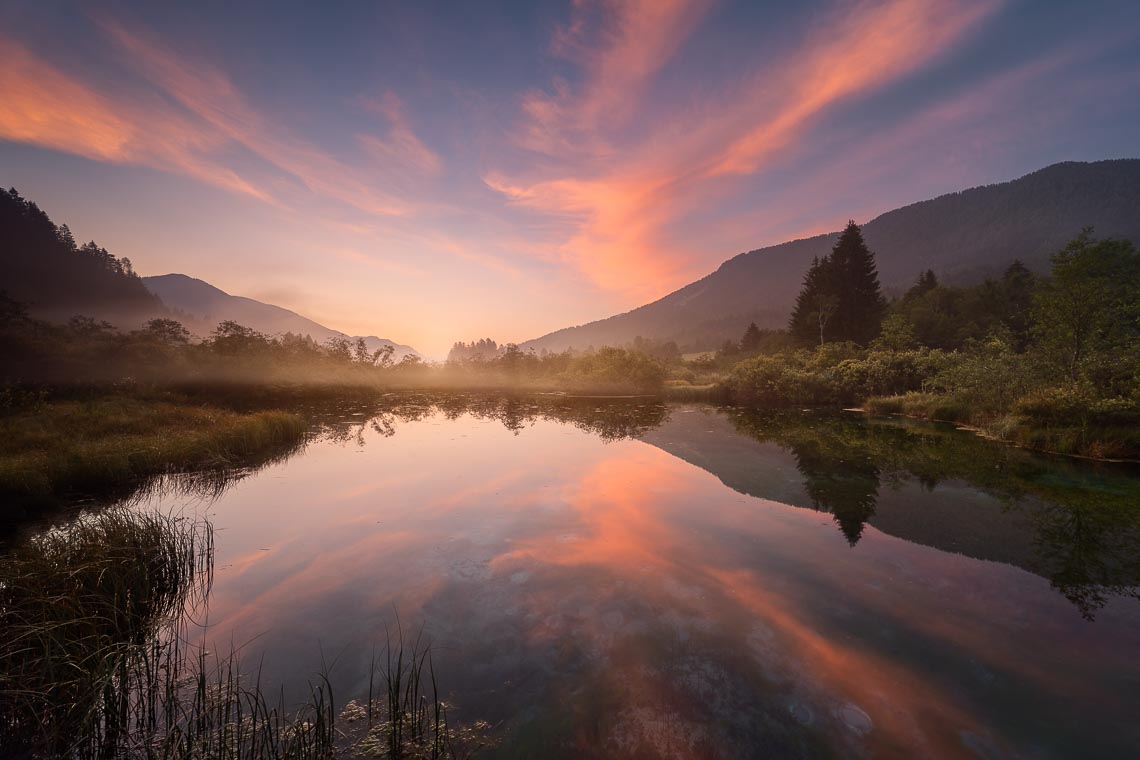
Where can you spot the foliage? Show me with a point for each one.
(938, 316)
(840, 299)
(1052, 363)
(79, 606)
(838, 373)
(95, 661)
(1092, 301)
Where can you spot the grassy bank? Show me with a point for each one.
(1017, 397)
(50, 449)
(1107, 429)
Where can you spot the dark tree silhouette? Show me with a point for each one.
(841, 299)
(42, 266)
(925, 283)
(846, 487)
(752, 339)
(815, 305)
(861, 306)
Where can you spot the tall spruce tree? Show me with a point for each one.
(859, 315)
(841, 299)
(815, 305)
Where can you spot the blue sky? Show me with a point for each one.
(441, 171)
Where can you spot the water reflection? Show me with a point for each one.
(1074, 523)
(607, 418)
(592, 593)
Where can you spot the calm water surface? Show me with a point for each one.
(625, 578)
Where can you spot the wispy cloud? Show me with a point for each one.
(854, 52)
(212, 97)
(619, 47)
(614, 203)
(46, 106)
(401, 147)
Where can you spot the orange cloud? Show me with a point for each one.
(612, 205)
(865, 48)
(42, 106)
(209, 116)
(45, 106)
(211, 96)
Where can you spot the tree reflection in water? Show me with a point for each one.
(1083, 516)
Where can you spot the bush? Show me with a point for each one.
(990, 378)
(835, 374)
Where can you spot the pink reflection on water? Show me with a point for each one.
(618, 570)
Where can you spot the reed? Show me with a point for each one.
(96, 662)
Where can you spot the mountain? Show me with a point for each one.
(43, 267)
(963, 236)
(205, 306)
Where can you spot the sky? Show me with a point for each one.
(439, 171)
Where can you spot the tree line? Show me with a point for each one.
(1052, 361)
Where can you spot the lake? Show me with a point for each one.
(604, 577)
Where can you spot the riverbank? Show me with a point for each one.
(1102, 431)
(55, 448)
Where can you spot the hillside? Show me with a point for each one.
(43, 267)
(205, 306)
(963, 236)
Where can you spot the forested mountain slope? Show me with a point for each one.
(42, 267)
(963, 236)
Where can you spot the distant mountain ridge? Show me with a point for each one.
(963, 236)
(43, 268)
(207, 305)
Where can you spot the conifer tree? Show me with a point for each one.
(752, 338)
(925, 283)
(815, 305)
(860, 304)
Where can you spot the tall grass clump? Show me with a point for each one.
(96, 662)
(83, 607)
(409, 720)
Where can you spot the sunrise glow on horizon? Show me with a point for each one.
(439, 172)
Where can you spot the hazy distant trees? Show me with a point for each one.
(168, 332)
(664, 351)
(752, 338)
(484, 349)
(232, 339)
(841, 299)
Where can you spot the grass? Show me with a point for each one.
(682, 391)
(50, 449)
(82, 608)
(1082, 433)
(95, 662)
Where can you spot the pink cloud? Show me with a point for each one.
(45, 106)
(620, 46)
(855, 52)
(612, 203)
